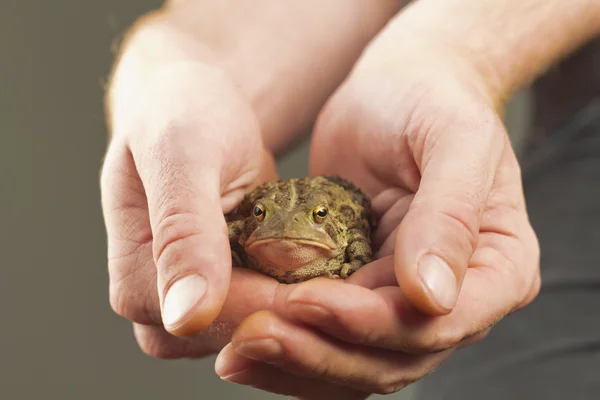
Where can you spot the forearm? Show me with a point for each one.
(285, 59)
(509, 43)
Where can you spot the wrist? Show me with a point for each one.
(505, 46)
(148, 52)
(158, 53)
(273, 54)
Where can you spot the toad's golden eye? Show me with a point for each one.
(319, 214)
(259, 212)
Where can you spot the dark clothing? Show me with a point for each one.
(550, 350)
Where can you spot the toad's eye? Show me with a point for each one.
(319, 214)
(259, 212)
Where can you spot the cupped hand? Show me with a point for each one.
(184, 155)
(420, 132)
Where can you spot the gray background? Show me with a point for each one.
(58, 335)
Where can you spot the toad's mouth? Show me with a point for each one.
(297, 241)
(288, 253)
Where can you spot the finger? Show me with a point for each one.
(377, 318)
(391, 205)
(235, 368)
(130, 265)
(250, 292)
(156, 342)
(384, 318)
(266, 337)
(189, 157)
(378, 273)
(439, 234)
(190, 244)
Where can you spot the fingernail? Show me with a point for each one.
(439, 279)
(266, 350)
(227, 365)
(182, 297)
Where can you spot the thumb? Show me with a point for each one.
(193, 164)
(439, 234)
(190, 244)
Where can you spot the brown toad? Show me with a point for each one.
(298, 229)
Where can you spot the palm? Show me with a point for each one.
(386, 151)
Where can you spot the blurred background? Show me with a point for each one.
(58, 336)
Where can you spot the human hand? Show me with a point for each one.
(191, 117)
(420, 132)
(185, 156)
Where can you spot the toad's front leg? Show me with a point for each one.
(358, 253)
(234, 229)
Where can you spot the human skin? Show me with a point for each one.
(201, 97)
(418, 125)
(171, 171)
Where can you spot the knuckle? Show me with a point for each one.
(156, 342)
(436, 341)
(171, 191)
(151, 344)
(535, 255)
(132, 277)
(132, 285)
(390, 389)
(173, 228)
(533, 261)
(388, 383)
(122, 304)
(509, 269)
(536, 287)
(534, 290)
(369, 335)
(117, 301)
(320, 370)
(386, 390)
(458, 218)
(399, 377)
(132, 305)
(482, 334)
(476, 337)
(462, 215)
(373, 334)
